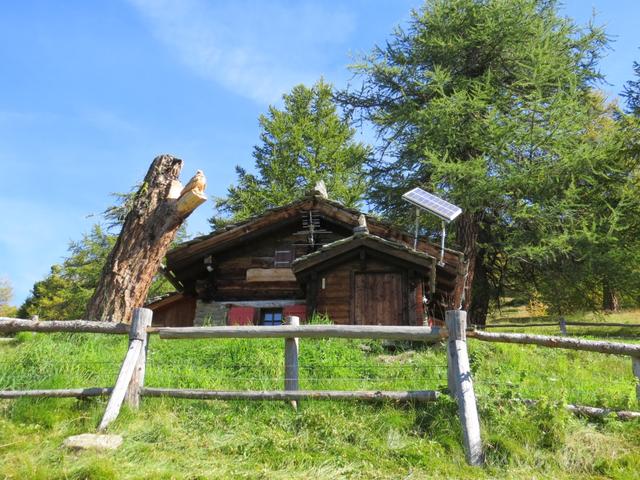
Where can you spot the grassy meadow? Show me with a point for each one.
(170, 438)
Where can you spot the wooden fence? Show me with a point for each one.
(562, 324)
(129, 386)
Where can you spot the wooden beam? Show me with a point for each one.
(602, 324)
(291, 360)
(223, 240)
(460, 380)
(142, 321)
(58, 393)
(555, 324)
(136, 340)
(558, 342)
(593, 412)
(122, 383)
(432, 334)
(262, 303)
(171, 278)
(521, 325)
(635, 368)
(270, 275)
(563, 327)
(372, 396)
(9, 325)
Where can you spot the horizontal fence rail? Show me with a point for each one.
(558, 323)
(519, 325)
(307, 331)
(12, 325)
(558, 342)
(58, 393)
(601, 324)
(593, 412)
(372, 396)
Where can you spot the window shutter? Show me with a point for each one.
(283, 257)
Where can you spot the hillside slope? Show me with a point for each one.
(195, 439)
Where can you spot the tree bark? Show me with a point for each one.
(158, 210)
(482, 290)
(480, 293)
(610, 299)
(467, 229)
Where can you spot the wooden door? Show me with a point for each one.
(379, 299)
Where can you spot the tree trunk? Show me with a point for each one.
(467, 229)
(480, 293)
(610, 300)
(159, 208)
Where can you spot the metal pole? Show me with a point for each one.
(415, 239)
(444, 234)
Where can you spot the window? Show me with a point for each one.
(271, 317)
(283, 257)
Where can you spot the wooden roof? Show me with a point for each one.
(198, 248)
(363, 240)
(164, 300)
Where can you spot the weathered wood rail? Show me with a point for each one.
(427, 334)
(294, 395)
(58, 393)
(559, 342)
(593, 412)
(562, 324)
(13, 325)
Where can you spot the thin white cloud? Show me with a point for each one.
(256, 49)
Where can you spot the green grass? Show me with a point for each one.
(169, 438)
(512, 315)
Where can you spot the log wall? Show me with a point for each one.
(178, 313)
(231, 281)
(337, 298)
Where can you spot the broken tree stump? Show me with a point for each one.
(158, 210)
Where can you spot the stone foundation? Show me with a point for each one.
(210, 314)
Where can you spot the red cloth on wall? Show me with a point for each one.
(241, 315)
(296, 311)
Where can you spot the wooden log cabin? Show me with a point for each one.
(313, 256)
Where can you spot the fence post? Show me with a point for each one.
(137, 334)
(451, 382)
(635, 364)
(563, 327)
(460, 376)
(142, 318)
(291, 360)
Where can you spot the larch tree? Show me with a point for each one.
(6, 294)
(483, 102)
(301, 143)
(631, 92)
(596, 240)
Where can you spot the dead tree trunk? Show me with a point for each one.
(159, 208)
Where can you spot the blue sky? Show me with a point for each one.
(90, 92)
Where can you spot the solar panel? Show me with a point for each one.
(425, 200)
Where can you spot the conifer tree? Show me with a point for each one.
(485, 103)
(303, 142)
